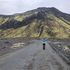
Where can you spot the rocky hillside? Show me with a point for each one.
(41, 22)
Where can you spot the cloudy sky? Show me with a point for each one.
(18, 6)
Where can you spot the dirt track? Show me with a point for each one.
(33, 57)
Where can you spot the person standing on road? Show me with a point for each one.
(44, 44)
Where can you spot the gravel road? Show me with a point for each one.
(33, 57)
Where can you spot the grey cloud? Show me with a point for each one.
(15, 6)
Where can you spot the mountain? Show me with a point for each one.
(41, 22)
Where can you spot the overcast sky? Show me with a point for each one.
(18, 6)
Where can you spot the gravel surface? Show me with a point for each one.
(33, 57)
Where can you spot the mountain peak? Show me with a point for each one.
(40, 22)
(46, 8)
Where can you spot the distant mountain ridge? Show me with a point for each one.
(41, 22)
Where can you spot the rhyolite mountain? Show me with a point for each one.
(41, 22)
